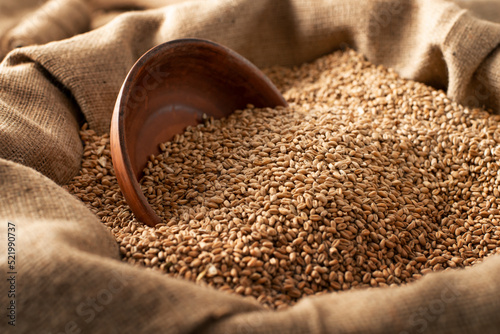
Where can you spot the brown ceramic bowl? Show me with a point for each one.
(169, 88)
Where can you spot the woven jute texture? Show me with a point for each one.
(72, 60)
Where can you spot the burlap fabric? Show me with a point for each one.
(70, 278)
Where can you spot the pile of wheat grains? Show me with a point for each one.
(365, 180)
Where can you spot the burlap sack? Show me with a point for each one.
(70, 278)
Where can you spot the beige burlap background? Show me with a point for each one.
(70, 278)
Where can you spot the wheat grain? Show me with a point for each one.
(365, 180)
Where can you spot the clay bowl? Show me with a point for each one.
(169, 88)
